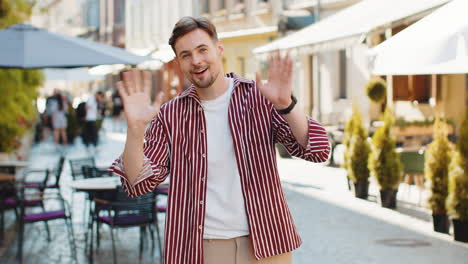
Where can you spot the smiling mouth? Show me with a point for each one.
(200, 72)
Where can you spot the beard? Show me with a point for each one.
(207, 79)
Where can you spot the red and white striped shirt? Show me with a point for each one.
(176, 145)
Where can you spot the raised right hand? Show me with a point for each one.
(135, 91)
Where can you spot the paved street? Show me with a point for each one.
(335, 226)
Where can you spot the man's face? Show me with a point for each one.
(199, 57)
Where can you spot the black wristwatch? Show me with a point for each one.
(290, 107)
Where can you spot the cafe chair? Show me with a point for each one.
(63, 212)
(9, 200)
(124, 212)
(76, 166)
(56, 172)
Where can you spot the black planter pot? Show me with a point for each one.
(361, 189)
(460, 230)
(441, 223)
(388, 198)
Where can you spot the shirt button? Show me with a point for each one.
(201, 202)
(200, 108)
(202, 131)
(200, 227)
(203, 179)
(203, 155)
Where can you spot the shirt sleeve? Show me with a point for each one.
(155, 167)
(318, 146)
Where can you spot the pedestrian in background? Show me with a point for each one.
(90, 130)
(117, 108)
(59, 119)
(217, 141)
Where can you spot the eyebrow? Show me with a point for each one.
(187, 51)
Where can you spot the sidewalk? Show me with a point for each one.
(336, 227)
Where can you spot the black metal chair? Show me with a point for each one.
(123, 212)
(76, 166)
(44, 184)
(45, 216)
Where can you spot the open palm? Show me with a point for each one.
(278, 88)
(135, 91)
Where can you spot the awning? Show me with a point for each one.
(352, 24)
(437, 44)
(248, 32)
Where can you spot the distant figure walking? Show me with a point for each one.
(90, 126)
(59, 119)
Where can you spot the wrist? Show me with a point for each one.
(284, 110)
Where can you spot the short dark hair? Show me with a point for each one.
(188, 24)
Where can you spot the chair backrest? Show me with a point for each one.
(90, 172)
(58, 170)
(130, 211)
(76, 166)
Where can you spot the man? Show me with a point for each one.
(90, 133)
(217, 141)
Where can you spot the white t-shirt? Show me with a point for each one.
(225, 209)
(91, 109)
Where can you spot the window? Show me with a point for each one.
(413, 88)
(342, 92)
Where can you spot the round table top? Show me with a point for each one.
(96, 184)
(14, 163)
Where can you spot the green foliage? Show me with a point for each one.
(457, 201)
(15, 11)
(384, 161)
(348, 131)
(358, 149)
(462, 143)
(400, 122)
(18, 87)
(436, 165)
(376, 90)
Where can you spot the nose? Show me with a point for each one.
(196, 59)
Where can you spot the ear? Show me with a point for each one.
(220, 47)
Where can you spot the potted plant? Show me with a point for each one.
(348, 130)
(457, 201)
(376, 90)
(384, 162)
(437, 159)
(357, 156)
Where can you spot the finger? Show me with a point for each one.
(147, 81)
(128, 82)
(271, 66)
(121, 88)
(137, 80)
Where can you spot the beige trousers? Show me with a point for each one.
(237, 250)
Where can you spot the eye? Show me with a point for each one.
(204, 50)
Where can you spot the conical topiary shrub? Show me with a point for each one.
(384, 162)
(358, 155)
(457, 201)
(348, 131)
(436, 165)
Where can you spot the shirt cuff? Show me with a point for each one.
(145, 172)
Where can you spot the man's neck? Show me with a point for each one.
(219, 87)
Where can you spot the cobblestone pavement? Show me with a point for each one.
(335, 227)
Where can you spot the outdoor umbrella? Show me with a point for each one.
(437, 44)
(25, 46)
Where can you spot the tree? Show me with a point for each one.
(19, 87)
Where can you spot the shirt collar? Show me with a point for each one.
(191, 92)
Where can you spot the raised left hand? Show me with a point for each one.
(278, 88)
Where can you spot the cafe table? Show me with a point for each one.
(103, 184)
(10, 167)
